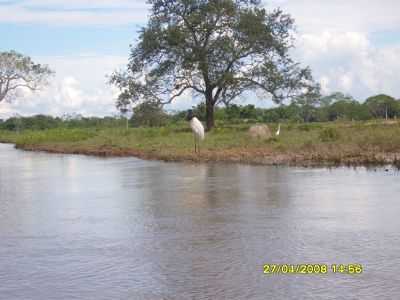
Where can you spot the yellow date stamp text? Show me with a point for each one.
(351, 269)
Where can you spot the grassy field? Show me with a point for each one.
(339, 143)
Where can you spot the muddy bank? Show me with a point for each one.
(245, 156)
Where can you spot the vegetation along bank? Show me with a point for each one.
(374, 142)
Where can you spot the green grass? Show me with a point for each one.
(54, 136)
(8, 136)
(320, 142)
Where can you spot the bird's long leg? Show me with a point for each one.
(195, 146)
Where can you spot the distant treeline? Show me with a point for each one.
(334, 107)
(41, 122)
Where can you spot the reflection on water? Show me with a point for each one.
(74, 227)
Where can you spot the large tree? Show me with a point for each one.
(218, 49)
(17, 72)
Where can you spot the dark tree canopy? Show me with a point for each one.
(217, 49)
(18, 71)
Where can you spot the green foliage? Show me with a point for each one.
(7, 136)
(347, 110)
(59, 135)
(92, 122)
(152, 115)
(232, 112)
(383, 106)
(307, 105)
(38, 122)
(148, 114)
(291, 112)
(42, 122)
(334, 97)
(248, 112)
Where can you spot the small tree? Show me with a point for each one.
(308, 104)
(217, 49)
(17, 72)
(124, 106)
(148, 114)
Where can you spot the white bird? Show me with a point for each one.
(197, 129)
(279, 130)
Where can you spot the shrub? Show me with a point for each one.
(148, 114)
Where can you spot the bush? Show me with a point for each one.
(149, 114)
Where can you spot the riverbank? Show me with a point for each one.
(319, 144)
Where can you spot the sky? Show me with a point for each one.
(352, 46)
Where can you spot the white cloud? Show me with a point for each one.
(346, 82)
(71, 93)
(325, 81)
(342, 15)
(347, 61)
(335, 44)
(79, 87)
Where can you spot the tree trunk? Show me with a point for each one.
(386, 112)
(209, 113)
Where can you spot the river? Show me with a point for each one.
(76, 227)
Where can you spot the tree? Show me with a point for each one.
(232, 112)
(216, 49)
(383, 106)
(348, 110)
(248, 112)
(148, 114)
(308, 104)
(335, 97)
(17, 72)
(124, 107)
(325, 111)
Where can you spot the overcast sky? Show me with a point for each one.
(352, 46)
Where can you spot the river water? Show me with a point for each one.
(76, 227)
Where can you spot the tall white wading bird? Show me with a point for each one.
(279, 130)
(197, 129)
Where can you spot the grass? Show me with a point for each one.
(350, 143)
